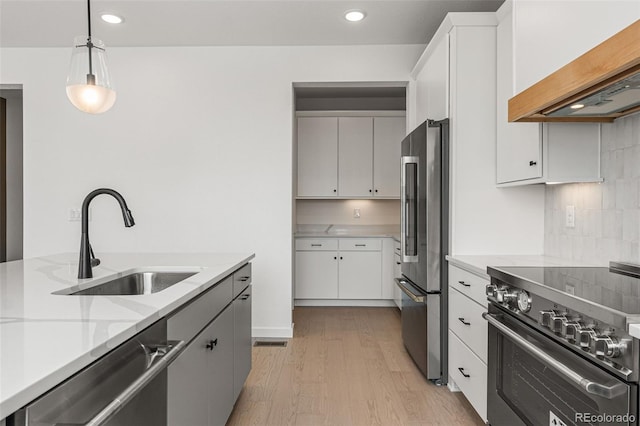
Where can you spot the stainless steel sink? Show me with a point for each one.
(136, 283)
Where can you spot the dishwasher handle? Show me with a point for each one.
(418, 298)
(165, 356)
(594, 388)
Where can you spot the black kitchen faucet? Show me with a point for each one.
(87, 258)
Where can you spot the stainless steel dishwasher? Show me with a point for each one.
(128, 386)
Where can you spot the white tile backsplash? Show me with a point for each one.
(607, 214)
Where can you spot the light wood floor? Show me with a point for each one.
(345, 366)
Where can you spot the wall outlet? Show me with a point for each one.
(75, 215)
(570, 217)
(356, 213)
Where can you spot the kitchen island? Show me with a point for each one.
(46, 338)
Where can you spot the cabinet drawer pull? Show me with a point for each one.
(461, 319)
(361, 245)
(533, 163)
(243, 279)
(316, 245)
(398, 263)
(245, 296)
(212, 344)
(464, 284)
(461, 370)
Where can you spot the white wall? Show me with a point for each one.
(199, 143)
(14, 172)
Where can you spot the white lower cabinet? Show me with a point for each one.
(468, 336)
(340, 269)
(397, 272)
(469, 373)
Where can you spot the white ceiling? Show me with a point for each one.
(49, 23)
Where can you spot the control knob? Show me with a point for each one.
(545, 318)
(608, 346)
(570, 330)
(491, 290)
(503, 295)
(557, 322)
(585, 337)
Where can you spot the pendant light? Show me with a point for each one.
(89, 87)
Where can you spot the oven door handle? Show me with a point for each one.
(165, 356)
(402, 284)
(607, 392)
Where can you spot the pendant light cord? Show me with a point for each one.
(90, 77)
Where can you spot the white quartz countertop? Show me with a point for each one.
(46, 338)
(478, 263)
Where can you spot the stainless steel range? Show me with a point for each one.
(559, 350)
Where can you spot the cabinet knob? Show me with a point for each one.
(212, 344)
(533, 163)
(335, 190)
(341, 257)
(370, 191)
(376, 190)
(335, 257)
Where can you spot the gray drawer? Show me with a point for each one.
(188, 321)
(241, 279)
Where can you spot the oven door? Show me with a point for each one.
(533, 380)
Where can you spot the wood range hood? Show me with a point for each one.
(599, 86)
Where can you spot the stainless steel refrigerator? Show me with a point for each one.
(424, 245)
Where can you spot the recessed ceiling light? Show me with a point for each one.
(577, 106)
(111, 18)
(354, 15)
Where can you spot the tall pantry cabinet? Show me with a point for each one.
(455, 78)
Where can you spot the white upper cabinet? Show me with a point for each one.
(352, 156)
(355, 156)
(529, 153)
(317, 153)
(388, 132)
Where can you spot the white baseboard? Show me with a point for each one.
(345, 302)
(276, 332)
(452, 386)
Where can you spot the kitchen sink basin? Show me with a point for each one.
(135, 283)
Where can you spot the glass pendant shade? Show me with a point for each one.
(89, 86)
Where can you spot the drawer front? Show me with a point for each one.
(469, 284)
(360, 244)
(187, 322)
(465, 320)
(463, 363)
(319, 244)
(397, 249)
(241, 279)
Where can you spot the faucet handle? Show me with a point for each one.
(95, 262)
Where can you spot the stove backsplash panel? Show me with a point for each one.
(607, 215)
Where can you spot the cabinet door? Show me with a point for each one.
(317, 156)
(316, 275)
(519, 145)
(355, 156)
(397, 273)
(219, 372)
(241, 340)
(360, 275)
(388, 133)
(188, 386)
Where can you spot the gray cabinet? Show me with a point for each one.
(206, 378)
(241, 340)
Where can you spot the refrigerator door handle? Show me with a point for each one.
(408, 208)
